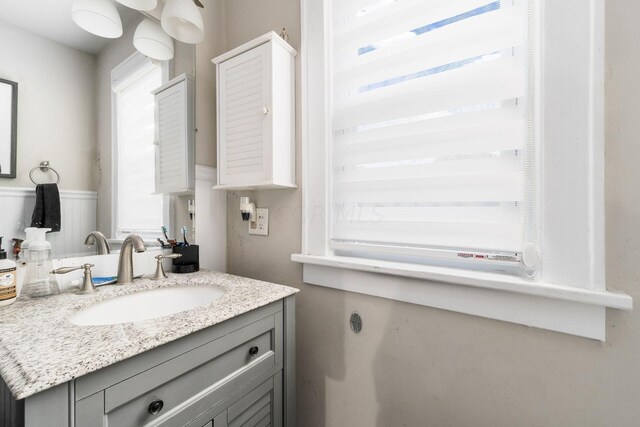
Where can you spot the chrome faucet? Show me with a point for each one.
(125, 263)
(98, 239)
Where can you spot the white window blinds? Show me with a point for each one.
(429, 127)
(138, 209)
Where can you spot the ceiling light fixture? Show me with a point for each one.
(98, 17)
(139, 4)
(150, 40)
(182, 20)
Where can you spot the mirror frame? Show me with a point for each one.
(14, 128)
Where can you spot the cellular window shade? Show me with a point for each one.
(429, 126)
(138, 209)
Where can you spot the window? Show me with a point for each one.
(137, 209)
(430, 159)
(453, 156)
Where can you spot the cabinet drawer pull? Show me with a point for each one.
(253, 351)
(155, 407)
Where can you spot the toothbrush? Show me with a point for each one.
(164, 231)
(184, 235)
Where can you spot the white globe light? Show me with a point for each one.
(150, 40)
(139, 4)
(98, 17)
(182, 20)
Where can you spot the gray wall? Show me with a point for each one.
(417, 366)
(56, 111)
(259, 256)
(213, 15)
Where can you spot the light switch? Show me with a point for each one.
(261, 226)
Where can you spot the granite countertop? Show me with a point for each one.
(40, 348)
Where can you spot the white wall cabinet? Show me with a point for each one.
(175, 136)
(256, 115)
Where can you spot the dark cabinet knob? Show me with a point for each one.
(155, 407)
(253, 351)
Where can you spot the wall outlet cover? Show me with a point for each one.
(261, 226)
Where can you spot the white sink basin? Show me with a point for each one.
(146, 305)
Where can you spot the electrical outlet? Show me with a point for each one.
(261, 226)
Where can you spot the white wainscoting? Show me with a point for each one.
(78, 210)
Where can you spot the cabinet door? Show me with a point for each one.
(174, 139)
(220, 420)
(254, 409)
(244, 118)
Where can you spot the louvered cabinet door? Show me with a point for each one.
(174, 137)
(245, 118)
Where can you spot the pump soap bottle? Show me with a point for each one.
(8, 278)
(38, 279)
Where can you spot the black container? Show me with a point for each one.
(189, 262)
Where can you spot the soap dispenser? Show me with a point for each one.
(38, 279)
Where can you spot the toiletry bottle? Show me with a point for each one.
(8, 278)
(38, 279)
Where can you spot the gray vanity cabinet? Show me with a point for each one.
(237, 373)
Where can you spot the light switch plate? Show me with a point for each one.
(261, 226)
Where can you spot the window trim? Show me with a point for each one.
(121, 71)
(570, 296)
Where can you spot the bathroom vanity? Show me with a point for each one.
(225, 363)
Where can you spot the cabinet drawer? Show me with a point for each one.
(111, 375)
(177, 380)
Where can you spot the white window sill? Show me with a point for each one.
(549, 306)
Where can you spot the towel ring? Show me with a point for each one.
(44, 167)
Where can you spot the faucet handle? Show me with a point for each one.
(87, 282)
(65, 270)
(160, 274)
(172, 256)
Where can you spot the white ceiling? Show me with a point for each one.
(52, 19)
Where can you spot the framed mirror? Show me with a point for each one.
(8, 128)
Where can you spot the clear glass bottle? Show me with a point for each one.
(38, 279)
